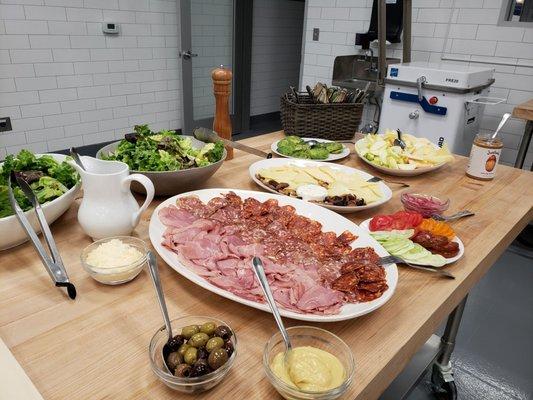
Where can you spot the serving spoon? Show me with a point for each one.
(261, 277)
(399, 141)
(76, 157)
(154, 274)
(505, 117)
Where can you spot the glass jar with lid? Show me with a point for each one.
(484, 157)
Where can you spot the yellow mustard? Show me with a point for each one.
(309, 368)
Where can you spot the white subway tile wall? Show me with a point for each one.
(276, 52)
(474, 36)
(64, 83)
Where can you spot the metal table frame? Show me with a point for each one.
(436, 354)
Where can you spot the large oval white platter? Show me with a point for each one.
(330, 222)
(366, 226)
(332, 157)
(277, 162)
(398, 172)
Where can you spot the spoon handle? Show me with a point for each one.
(76, 157)
(154, 274)
(260, 273)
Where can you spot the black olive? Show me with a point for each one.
(202, 353)
(200, 368)
(228, 346)
(131, 137)
(223, 331)
(183, 371)
(175, 343)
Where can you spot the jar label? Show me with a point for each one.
(483, 161)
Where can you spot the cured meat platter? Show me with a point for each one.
(328, 221)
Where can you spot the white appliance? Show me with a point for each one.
(442, 102)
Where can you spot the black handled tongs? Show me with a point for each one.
(52, 262)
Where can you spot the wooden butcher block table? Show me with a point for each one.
(97, 346)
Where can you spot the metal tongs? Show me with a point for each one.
(53, 263)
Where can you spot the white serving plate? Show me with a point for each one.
(398, 172)
(330, 222)
(276, 162)
(366, 225)
(332, 157)
(11, 232)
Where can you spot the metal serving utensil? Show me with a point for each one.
(505, 117)
(397, 260)
(76, 157)
(154, 274)
(52, 262)
(207, 135)
(313, 142)
(399, 141)
(378, 179)
(457, 215)
(261, 277)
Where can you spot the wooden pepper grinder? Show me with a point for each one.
(222, 89)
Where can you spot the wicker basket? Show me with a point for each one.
(334, 121)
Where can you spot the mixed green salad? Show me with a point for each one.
(295, 146)
(48, 178)
(145, 150)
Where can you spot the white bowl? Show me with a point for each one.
(11, 232)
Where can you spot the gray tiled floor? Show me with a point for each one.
(494, 351)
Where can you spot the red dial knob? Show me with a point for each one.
(433, 100)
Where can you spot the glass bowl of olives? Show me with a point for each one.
(199, 355)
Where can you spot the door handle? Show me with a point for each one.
(187, 55)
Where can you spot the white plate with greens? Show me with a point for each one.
(331, 156)
(366, 226)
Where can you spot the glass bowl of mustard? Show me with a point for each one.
(320, 365)
(115, 260)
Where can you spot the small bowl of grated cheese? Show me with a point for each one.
(114, 260)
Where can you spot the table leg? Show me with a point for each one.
(442, 375)
(524, 146)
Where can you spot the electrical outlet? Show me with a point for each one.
(5, 124)
(316, 33)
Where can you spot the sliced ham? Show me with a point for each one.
(302, 263)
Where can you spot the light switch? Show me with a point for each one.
(316, 33)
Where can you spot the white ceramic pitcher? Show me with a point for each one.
(108, 208)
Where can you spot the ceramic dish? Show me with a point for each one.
(167, 183)
(365, 226)
(332, 157)
(399, 172)
(276, 162)
(330, 221)
(11, 232)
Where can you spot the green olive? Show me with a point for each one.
(173, 360)
(198, 339)
(214, 343)
(182, 349)
(191, 355)
(217, 358)
(188, 331)
(208, 328)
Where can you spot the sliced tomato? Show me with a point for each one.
(381, 223)
(399, 220)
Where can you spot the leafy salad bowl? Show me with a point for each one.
(12, 233)
(168, 183)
